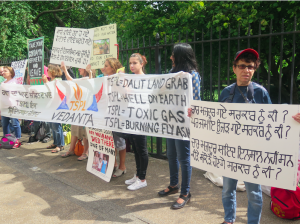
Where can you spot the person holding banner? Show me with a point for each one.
(243, 91)
(8, 73)
(137, 64)
(111, 66)
(178, 151)
(78, 132)
(55, 73)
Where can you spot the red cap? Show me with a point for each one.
(239, 53)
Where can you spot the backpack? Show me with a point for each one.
(285, 203)
(250, 94)
(26, 127)
(8, 141)
(41, 133)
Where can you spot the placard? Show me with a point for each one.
(19, 68)
(153, 105)
(257, 143)
(36, 60)
(73, 46)
(105, 38)
(101, 158)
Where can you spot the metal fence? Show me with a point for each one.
(215, 49)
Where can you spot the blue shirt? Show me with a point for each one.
(261, 95)
(196, 79)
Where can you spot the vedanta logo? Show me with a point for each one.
(78, 104)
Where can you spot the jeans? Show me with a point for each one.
(14, 122)
(36, 125)
(254, 194)
(57, 133)
(178, 151)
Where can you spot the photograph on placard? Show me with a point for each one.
(101, 46)
(100, 162)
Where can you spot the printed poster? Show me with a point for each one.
(19, 68)
(101, 158)
(36, 60)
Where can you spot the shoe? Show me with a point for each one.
(17, 144)
(186, 200)
(46, 139)
(227, 222)
(131, 181)
(172, 190)
(57, 149)
(82, 157)
(118, 173)
(137, 185)
(52, 146)
(32, 139)
(67, 154)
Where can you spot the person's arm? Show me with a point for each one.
(89, 70)
(44, 78)
(63, 67)
(297, 117)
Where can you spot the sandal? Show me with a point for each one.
(58, 149)
(119, 173)
(51, 146)
(82, 157)
(67, 154)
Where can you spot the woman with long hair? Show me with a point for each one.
(111, 66)
(137, 64)
(55, 73)
(178, 151)
(8, 73)
(78, 132)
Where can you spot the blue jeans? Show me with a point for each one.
(254, 195)
(58, 135)
(178, 151)
(14, 122)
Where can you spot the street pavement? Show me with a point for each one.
(37, 186)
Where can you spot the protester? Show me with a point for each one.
(178, 151)
(8, 73)
(55, 73)
(243, 91)
(37, 124)
(1, 80)
(110, 67)
(78, 132)
(137, 64)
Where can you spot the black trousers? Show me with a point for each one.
(139, 146)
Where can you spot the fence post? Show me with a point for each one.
(157, 55)
(158, 71)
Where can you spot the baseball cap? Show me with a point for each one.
(250, 50)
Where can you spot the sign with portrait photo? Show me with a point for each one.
(105, 38)
(101, 153)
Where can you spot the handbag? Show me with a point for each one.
(79, 148)
(67, 133)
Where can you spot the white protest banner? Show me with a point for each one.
(19, 68)
(105, 38)
(73, 46)
(257, 143)
(101, 159)
(154, 105)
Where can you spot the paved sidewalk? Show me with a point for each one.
(37, 186)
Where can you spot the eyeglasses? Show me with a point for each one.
(242, 66)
